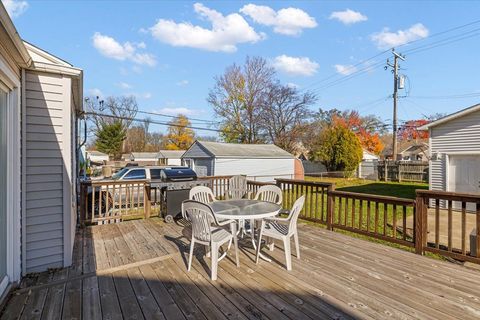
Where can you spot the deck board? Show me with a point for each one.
(137, 269)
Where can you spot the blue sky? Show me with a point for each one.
(168, 52)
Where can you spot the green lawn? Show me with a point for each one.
(393, 189)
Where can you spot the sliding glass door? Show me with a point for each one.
(3, 188)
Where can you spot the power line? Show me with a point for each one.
(150, 121)
(411, 51)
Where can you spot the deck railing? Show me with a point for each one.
(111, 201)
(380, 217)
(316, 199)
(457, 208)
(437, 222)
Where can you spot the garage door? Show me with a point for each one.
(464, 174)
(202, 167)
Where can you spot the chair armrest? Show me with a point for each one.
(225, 222)
(277, 219)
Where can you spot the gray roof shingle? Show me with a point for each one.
(236, 150)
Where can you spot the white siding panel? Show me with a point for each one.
(461, 135)
(264, 170)
(46, 106)
(45, 263)
(35, 103)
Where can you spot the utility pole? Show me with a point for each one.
(395, 68)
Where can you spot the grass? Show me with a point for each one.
(393, 189)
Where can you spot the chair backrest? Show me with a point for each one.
(295, 212)
(270, 193)
(237, 187)
(202, 194)
(201, 216)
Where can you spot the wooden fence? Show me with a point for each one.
(412, 223)
(407, 171)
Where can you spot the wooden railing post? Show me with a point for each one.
(420, 209)
(83, 204)
(330, 206)
(147, 200)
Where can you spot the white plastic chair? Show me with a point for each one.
(270, 193)
(202, 194)
(283, 229)
(202, 217)
(237, 188)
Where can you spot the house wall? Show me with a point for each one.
(264, 170)
(48, 170)
(457, 136)
(174, 162)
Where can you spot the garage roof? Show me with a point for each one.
(452, 116)
(236, 150)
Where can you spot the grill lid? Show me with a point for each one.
(178, 174)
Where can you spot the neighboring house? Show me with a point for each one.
(415, 152)
(172, 157)
(455, 151)
(97, 156)
(150, 157)
(40, 96)
(262, 162)
(368, 167)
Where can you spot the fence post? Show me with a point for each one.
(147, 200)
(419, 224)
(385, 170)
(330, 208)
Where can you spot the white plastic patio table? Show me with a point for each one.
(245, 209)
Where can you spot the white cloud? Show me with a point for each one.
(386, 39)
(111, 48)
(226, 32)
(348, 16)
(124, 85)
(300, 66)
(15, 7)
(176, 111)
(95, 92)
(288, 21)
(345, 69)
(293, 85)
(182, 83)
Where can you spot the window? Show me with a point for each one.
(135, 174)
(155, 173)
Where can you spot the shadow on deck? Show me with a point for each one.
(137, 270)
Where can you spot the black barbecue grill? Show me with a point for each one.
(174, 186)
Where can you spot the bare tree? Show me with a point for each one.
(101, 112)
(285, 114)
(237, 99)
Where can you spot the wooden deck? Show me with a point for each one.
(136, 270)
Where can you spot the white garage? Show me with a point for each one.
(455, 151)
(260, 162)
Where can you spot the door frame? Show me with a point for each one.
(11, 83)
(447, 165)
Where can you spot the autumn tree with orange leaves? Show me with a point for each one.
(366, 129)
(409, 130)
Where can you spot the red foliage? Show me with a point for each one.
(352, 120)
(409, 130)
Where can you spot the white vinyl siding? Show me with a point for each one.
(457, 136)
(48, 165)
(261, 169)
